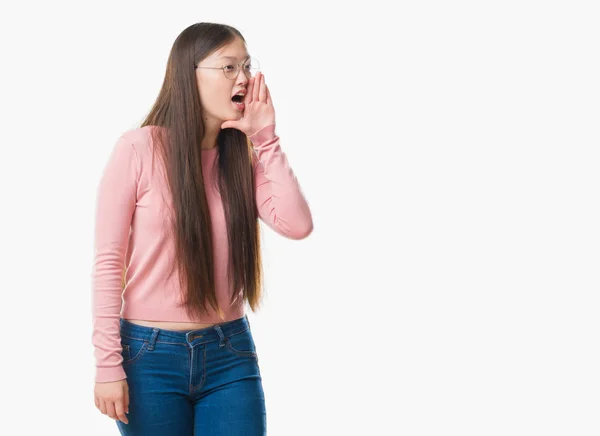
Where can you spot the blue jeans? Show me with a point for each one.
(203, 382)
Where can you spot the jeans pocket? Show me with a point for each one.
(242, 344)
(132, 349)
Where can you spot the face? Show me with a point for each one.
(216, 89)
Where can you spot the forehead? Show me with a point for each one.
(235, 50)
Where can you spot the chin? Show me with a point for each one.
(235, 117)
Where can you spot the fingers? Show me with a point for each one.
(113, 399)
(126, 399)
(262, 96)
(102, 407)
(257, 90)
(110, 409)
(256, 86)
(249, 91)
(120, 411)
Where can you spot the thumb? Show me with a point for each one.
(228, 124)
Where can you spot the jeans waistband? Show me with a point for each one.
(217, 332)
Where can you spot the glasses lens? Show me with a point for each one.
(250, 68)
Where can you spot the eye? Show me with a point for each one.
(229, 67)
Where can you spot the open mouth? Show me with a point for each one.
(238, 102)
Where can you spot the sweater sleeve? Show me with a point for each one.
(116, 201)
(279, 199)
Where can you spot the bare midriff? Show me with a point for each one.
(179, 326)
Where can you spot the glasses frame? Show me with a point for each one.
(237, 68)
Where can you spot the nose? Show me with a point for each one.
(241, 78)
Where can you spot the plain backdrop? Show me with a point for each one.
(449, 154)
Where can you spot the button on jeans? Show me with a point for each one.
(203, 382)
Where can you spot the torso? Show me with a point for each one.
(179, 326)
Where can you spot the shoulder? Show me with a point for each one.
(141, 140)
(140, 137)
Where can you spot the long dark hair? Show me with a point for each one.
(177, 110)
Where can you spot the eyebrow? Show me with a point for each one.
(233, 57)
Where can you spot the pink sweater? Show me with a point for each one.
(130, 230)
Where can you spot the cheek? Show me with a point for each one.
(215, 101)
(215, 97)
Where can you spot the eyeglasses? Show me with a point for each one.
(231, 71)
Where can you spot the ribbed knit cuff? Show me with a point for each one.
(263, 135)
(110, 374)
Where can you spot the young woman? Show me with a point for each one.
(177, 246)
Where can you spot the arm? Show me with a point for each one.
(116, 200)
(279, 199)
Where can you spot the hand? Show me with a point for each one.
(112, 399)
(258, 111)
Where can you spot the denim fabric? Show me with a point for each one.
(203, 382)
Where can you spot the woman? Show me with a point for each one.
(177, 246)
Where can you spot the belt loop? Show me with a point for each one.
(221, 336)
(153, 338)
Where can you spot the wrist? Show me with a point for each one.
(264, 134)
